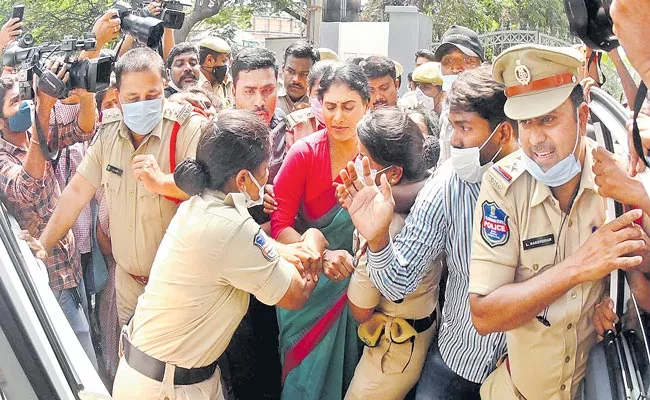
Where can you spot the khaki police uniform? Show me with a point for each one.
(520, 231)
(390, 370)
(222, 90)
(211, 258)
(286, 104)
(300, 124)
(138, 218)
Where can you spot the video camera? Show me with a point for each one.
(172, 14)
(146, 30)
(92, 75)
(590, 21)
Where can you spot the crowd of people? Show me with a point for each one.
(218, 226)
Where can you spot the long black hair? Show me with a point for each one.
(238, 140)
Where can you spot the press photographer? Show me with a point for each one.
(29, 189)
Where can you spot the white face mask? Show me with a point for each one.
(562, 172)
(425, 100)
(467, 162)
(358, 166)
(447, 81)
(249, 200)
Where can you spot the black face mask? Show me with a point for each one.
(219, 73)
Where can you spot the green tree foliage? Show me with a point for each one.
(50, 20)
(482, 15)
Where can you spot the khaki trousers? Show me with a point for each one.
(127, 291)
(499, 386)
(379, 375)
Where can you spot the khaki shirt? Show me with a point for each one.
(223, 91)
(419, 304)
(287, 105)
(211, 258)
(138, 218)
(517, 223)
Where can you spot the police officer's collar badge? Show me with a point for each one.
(265, 245)
(522, 73)
(494, 225)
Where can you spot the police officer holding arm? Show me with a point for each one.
(541, 249)
(212, 256)
(132, 159)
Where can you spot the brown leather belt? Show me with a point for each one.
(155, 369)
(143, 280)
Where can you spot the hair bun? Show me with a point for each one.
(191, 176)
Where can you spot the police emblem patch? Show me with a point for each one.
(265, 245)
(522, 73)
(494, 225)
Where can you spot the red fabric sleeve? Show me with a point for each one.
(289, 187)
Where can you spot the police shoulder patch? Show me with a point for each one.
(495, 230)
(265, 245)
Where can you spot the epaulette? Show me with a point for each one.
(505, 172)
(177, 112)
(298, 117)
(111, 115)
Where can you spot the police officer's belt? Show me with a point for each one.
(155, 369)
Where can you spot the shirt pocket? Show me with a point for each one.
(149, 206)
(113, 184)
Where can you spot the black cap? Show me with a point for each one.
(462, 38)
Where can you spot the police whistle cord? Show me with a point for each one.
(49, 153)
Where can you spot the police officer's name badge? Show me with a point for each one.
(494, 225)
(522, 73)
(265, 245)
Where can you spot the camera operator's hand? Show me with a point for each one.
(636, 164)
(107, 28)
(59, 68)
(587, 83)
(10, 31)
(631, 26)
(154, 8)
(614, 182)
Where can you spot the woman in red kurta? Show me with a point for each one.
(318, 343)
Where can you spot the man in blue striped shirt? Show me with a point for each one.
(440, 225)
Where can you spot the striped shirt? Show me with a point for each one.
(440, 225)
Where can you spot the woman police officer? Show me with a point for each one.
(212, 256)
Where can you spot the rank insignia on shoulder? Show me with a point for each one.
(265, 245)
(499, 169)
(494, 225)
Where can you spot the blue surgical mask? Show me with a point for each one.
(22, 120)
(142, 116)
(447, 81)
(560, 173)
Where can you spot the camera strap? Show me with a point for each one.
(598, 57)
(50, 153)
(636, 135)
